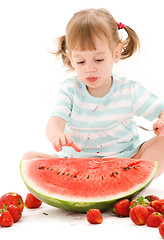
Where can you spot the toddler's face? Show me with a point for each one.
(94, 67)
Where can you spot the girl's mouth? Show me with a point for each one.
(92, 79)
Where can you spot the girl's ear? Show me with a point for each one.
(70, 57)
(117, 52)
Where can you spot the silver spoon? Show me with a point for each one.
(146, 129)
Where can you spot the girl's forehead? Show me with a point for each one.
(77, 53)
(101, 47)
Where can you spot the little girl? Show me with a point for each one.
(93, 114)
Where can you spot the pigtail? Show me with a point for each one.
(61, 51)
(130, 44)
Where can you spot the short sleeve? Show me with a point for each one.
(64, 101)
(145, 104)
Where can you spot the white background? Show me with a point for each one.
(29, 78)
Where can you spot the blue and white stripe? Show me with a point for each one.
(104, 127)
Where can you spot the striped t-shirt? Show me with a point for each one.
(104, 126)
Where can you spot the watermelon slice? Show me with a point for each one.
(79, 184)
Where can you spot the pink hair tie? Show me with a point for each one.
(120, 26)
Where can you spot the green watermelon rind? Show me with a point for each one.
(85, 206)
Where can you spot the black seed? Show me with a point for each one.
(88, 177)
(68, 174)
(116, 173)
(40, 167)
(102, 178)
(71, 175)
(113, 174)
(63, 173)
(125, 168)
(45, 213)
(134, 167)
(47, 168)
(75, 176)
(128, 167)
(58, 173)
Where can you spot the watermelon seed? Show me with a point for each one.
(40, 167)
(47, 168)
(51, 169)
(68, 174)
(63, 173)
(45, 213)
(75, 176)
(58, 173)
(113, 174)
(128, 167)
(125, 168)
(88, 177)
(134, 167)
(116, 173)
(72, 175)
(102, 178)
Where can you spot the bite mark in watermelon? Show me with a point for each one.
(80, 184)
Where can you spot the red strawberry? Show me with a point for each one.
(138, 214)
(15, 212)
(6, 220)
(140, 200)
(162, 210)
(151, 198)
(157, 204)
(161, 229)
(32, 202)
(94, 216)
(154, 219)
(121, 208)
(150, 209)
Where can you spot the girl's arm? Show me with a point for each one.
(161, 116)
(55, 133)
(159, 125)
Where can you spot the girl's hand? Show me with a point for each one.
(159, 127)
(64, 140)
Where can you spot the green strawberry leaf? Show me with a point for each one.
(140, 200)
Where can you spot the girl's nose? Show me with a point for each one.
(90, 68)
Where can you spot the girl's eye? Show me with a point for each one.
(81, 62)
(99, 60)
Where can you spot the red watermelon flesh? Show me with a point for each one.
(79, 184)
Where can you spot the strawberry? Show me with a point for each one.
(32, 202)
(157, 204)
(6, 220)
(138, 214)
(150, 209)
(140, 200)
(162, 210)
(132, 204)
(94, 216)
(121, 208)
(15, 212)
(151, 198)
(154, 219)
(161, 229)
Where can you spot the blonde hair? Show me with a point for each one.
(87, 24)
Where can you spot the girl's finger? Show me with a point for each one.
(75, 146)
(57, 146)
(68, 140)
(62, 141)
